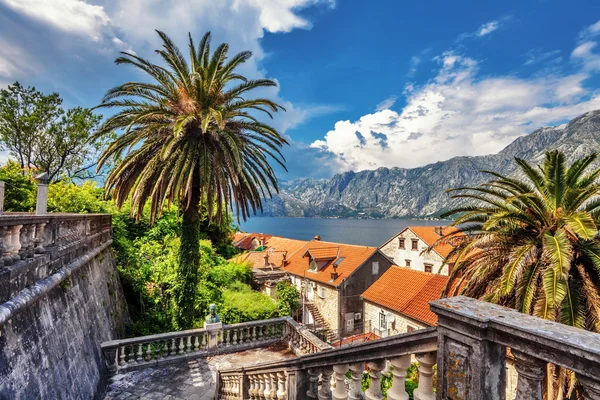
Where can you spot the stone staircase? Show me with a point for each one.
(331, 335)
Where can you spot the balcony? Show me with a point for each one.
(469, 347)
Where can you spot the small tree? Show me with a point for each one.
(287, 296)
(41, 135)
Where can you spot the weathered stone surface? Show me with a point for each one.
(188, 380)
(51, 350)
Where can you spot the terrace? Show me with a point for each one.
(279, 359)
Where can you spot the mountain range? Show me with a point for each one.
(421, 192)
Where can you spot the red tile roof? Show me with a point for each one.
(245, 242)
(275, 247)
(353, 257)
(418, 289)
(325, 253)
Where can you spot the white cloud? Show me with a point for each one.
(457, 112)
(488, 28)
(387, 103)
(537, 56)
(74, 16)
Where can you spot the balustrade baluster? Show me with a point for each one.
(281, 381)
(425, 389)
(173, 350)
(313, 383)
(7, 245)
(273, 391)
(374, 391)
(121, 355)
(339, 376)
(149, 356)
(261, 386)
(24, 239)
(140, 352)
(40, 238)
(531, 373)
(356, 372)
(399, 367)
(253, 333)
(253, 387)
(324, 392)
(227, 339)
(235, 338)
(203, 341)
(188, 345)
(267, 391)
(196, 344)
(260, 334)
(247, 336)
(181, 346)
(16, 242)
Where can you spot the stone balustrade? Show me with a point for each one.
(33, 248)
(161, 349)
(469, 346)
(337, 373)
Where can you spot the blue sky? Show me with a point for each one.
(366, 84)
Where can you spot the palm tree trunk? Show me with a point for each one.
(189, 263)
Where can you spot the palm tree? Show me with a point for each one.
(191, 137)
(531, 243)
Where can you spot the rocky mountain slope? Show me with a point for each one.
(401, 192)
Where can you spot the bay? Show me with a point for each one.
(367, 232)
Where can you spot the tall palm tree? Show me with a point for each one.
(531, 243)
(191, 136)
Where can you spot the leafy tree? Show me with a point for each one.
(190, 137)
(531, 244)
(40, 135)
(67, 197)
(287, 295)
(20, 189)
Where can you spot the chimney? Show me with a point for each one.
(334, 274)
(262, 241)
(439, 230)
(317, 237)
(285, 260)
(267, 259)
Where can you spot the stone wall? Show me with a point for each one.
(51, 348)
(417, 260)
(399, 325)
(326, 299)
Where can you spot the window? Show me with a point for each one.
(410, 328)
(321, 292)
(375, 267)
(415, 244)
(382, 321)
(407, 263)
(401, 243)
(313, 265)
(428, 268)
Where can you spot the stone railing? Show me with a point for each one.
(469, 347)
(161, 349)
(323, 375)
(36, 252)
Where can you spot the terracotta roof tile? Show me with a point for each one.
(353, 257)
(418, 289)
(275, 247)
(325, 253)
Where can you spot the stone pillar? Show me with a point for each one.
(531, 373)
(469, 365)
(41, 204)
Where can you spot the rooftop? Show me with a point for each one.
(276, 248)
(418, 289)
(353, 257)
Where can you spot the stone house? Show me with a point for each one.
(406, 249)
(331, 277)
(390, 311)
(249, 241)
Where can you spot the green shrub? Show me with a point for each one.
(242, 304)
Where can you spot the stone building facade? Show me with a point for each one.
(384, 321)
(331, 277)
(407, 249)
